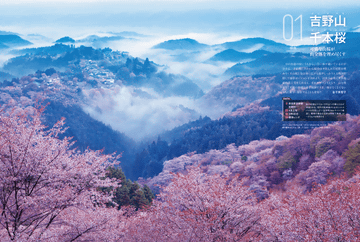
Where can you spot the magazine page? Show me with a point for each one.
(165, 120)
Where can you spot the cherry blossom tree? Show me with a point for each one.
(198, 207)
(48, 190)
(329, 213)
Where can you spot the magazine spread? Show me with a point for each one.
(179, 120)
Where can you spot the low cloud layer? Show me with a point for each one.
(138, 112)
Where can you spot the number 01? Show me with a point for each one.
(292, 27)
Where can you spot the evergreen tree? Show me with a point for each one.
(129, 193)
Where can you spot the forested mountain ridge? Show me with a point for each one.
(302, 159)
(99, 67)
(212, 135)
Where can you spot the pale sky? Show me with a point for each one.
(255, 17)
(226, 4)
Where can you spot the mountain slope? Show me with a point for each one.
(12, 40)
(180, 44)
(255, 44)
(236, 56)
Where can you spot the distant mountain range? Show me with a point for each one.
(7, 33)
(127, 34)
(96, 38)
(252, 44)
(104, 64)
(244, 45)
(244, 50)
(65, 39)
(38, 38)
(268, 64)
(181, 44)
(56, 49)
(12, 40)
(236, 56)
(259, 55)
